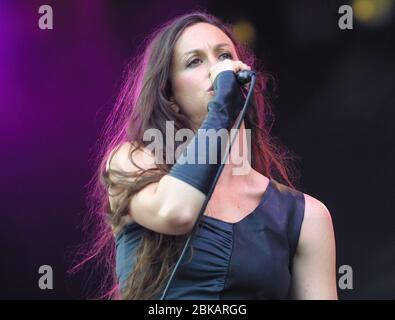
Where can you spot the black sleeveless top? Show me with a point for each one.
(249, 259)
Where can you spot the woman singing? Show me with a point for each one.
(259, 237)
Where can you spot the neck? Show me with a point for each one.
(237, 167)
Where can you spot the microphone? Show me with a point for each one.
(245, 76)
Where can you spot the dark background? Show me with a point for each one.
(333, 104)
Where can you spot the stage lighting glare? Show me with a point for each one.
(245, 32)
(373, 12)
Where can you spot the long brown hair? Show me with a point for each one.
(144, 103)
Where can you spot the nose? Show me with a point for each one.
(211, 61)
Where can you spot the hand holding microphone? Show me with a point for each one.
(238, 67)
(227, 77)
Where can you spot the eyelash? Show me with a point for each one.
(191, 63)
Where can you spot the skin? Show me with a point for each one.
(314, 271)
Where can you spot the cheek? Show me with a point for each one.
(187, 83)
(189, 91)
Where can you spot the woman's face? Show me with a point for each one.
(189, 73)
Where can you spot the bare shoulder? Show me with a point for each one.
(317, 227)
(314, 264)
(120, 158)
(315, 209)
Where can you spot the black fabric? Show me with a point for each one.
(250, 259)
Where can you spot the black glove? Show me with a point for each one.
(223, 109)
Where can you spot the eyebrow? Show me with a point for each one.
(216, 48)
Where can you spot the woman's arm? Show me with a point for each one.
(314, 263)
(163, 206)
(171, 206)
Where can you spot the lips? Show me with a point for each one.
(210, 89)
